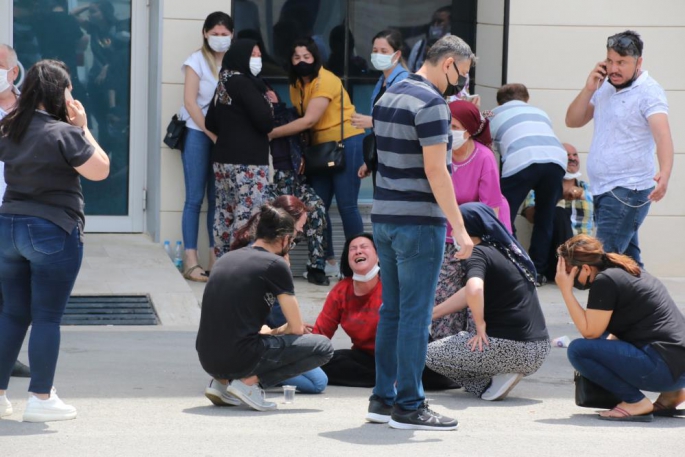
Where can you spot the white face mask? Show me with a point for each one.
(368, 276)
(255, 65)
(4, 83)
(458, 138)
(382, 62)
(569, 176)
(219, 43)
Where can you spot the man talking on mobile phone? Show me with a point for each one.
(631, 118)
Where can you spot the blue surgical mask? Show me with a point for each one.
(382, 62)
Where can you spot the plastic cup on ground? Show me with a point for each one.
(288, 394)
(561, 342)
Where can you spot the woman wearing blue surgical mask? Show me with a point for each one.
(201, 70)
(386, 56)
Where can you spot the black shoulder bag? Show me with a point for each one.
(591, 395)
(175, 133)
(328, 157)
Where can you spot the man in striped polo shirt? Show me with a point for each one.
(413, 199)
(533, 158)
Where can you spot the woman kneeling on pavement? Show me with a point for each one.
(234, 346)
(500, 293)
(633, 332)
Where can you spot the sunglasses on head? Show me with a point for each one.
(622, 42)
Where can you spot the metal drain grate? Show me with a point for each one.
(110, 310)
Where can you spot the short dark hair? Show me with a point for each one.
(345, 268)
(626, 43)
(313, 49)
(274, 223)
(510, 92)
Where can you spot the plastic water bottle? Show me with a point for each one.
(167, 249)
(178, 256)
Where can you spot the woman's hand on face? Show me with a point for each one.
(361, 121)
(77, 113)
(480, 339)
(563, 279)
(363, 171)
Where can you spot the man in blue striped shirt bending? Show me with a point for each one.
(413, 199)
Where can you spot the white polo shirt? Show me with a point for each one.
(622, 149)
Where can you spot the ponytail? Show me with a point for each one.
(624, 262)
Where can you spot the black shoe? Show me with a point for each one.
(540, 281)
(20, 370)
(421, 419)
(318, 277)
(379, 412)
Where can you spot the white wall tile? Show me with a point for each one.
(185, 9)
(181, 38)
(616, 13)
(491, 12)
(489, 52)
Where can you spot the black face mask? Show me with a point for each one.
(454, 89)
(627, 83)
(578, 285)
(304, 69)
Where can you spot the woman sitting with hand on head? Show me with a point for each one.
(645, 347)
(353, 304)
(500, 293)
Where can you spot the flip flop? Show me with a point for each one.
(625, 416)
(663, 411)
(187, 274)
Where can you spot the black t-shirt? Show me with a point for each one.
(242, 125)
(512, 310)
(237, 300)
(39, 172)
(643, 313)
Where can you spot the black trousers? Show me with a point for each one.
(355, 368)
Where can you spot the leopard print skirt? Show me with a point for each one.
(453, 358)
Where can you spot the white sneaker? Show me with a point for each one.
(5, 406)
(252, 396)
(216, 392)
(501, 385)
(332, 269)
(52, 409)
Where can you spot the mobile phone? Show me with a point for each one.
(67, 95)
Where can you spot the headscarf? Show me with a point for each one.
(480, 221)
(473, 121)
(237, 59)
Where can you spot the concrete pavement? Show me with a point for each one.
(139, 391)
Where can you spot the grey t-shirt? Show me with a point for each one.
(39, 172)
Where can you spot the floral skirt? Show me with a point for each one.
(450, 280)
(240, 192)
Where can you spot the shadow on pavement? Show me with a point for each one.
(369, 434)
(590, 420)
(18, 428)
(237, 411)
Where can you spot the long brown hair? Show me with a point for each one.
(247, 233)
(587, 250)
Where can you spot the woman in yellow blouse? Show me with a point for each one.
(316, 94)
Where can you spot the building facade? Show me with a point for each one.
(127, 56)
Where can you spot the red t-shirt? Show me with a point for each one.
(358, 316)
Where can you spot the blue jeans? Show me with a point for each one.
(410, 257)
(619, 214)
(198, 176)
(39, 263)
(344, 185)
(546, 180)
(622, 368)
(311, 382)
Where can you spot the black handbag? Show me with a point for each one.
(369, 150)
(591, 395)
(328, 157)
(175, 133)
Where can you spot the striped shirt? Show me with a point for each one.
(523, 135)
(410, 115)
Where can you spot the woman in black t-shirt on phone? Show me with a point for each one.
(634, 335)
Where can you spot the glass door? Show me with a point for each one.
(103, 43)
